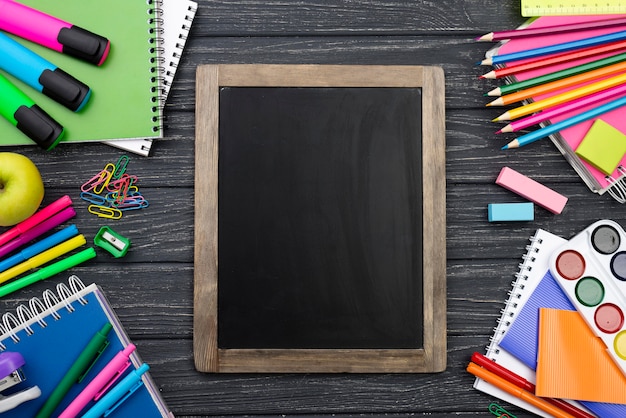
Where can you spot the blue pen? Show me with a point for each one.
(42, 75)
(559, 126)
(39, 247)
(118, 394)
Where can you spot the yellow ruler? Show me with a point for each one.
(572, 7)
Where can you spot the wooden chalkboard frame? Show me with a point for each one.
(207, 355)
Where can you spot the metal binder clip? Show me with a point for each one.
(11, 372)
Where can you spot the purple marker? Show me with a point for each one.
(52, 32)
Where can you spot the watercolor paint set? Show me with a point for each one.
(591, 270)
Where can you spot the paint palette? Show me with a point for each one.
(591, 270)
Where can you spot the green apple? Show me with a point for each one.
(21, 188)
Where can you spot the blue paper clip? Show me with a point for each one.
(93, 198)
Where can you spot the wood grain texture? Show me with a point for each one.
(152, 290)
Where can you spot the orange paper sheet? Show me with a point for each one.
(573, 363)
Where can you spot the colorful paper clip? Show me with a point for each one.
(105, 212)
(120, 166)
(499, 411)
(111, 241)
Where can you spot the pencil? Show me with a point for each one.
(559, 126)
(558, 75)
(555, 49)
(548, 30)
(556, 59)
(561, 98)
(519, 393)
(559, 84)
(565, 108)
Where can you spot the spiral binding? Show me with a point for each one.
(176, 46)
(617, 188)
(26, 316)
(157, 68)
(511, 306)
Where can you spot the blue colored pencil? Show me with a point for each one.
(559, 126)
(556, 48)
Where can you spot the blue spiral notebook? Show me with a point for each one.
(52, 331)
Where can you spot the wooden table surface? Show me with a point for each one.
(151, 288)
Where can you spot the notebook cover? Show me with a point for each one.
(122, 87)
(50, 351)
(575, 134)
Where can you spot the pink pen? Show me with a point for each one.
(539, 117)
(55, 220)
(36, 219)
(53, 33)
(100, 383)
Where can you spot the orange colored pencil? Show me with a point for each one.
(518, 96)
(519, 393)
(562, 98)
(619, 46)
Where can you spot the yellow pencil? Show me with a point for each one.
(561, 98)
(43, 257)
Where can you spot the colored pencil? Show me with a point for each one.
(519, 393)
(542, 62)
(558, 75)
(522, 383)
(549, 30)
(619, 68)
(555, 49)
(559, 126)
(565, 108)
(561, 98)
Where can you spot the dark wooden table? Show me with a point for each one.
(152, 287)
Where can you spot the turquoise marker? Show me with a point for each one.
(42, 75)
(22, 112)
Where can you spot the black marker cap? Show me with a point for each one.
(39, 126)
(64, 88)
(81, 43)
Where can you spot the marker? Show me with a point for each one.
(118, 393)
(52, 32)
(42, 75)
(22, 112)
(39, 247)
(81, 365)
(48, 271)
(40, 229)
(559, 126)
(100, 383)
(518, 392)
(36, 219)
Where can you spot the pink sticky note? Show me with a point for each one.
(531, 190)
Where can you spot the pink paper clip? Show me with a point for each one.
(93, 182)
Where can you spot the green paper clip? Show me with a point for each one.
(112, 242)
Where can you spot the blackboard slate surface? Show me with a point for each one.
(320, 219)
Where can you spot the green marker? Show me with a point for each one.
(48, 271)
(83, 363)
(22, 112)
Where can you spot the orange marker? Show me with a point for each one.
(511, 389)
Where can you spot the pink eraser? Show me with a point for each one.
(531, 190)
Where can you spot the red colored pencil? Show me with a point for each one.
(619, 46)
(572, 27)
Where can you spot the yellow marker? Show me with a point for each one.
(571, 7)
(43, 258)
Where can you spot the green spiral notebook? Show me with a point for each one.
(124, 102)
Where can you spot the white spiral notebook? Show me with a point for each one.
(52, 332)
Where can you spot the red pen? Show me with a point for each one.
(520, 382)
(36, 219)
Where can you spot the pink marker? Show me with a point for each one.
(52, 32)
(542, 116)
(103, 380)
(36, 219)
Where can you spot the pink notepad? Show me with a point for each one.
(568, 139)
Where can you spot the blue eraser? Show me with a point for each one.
(510, 212)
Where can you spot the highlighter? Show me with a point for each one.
(33, 121)
(42, 75)
(52, 32)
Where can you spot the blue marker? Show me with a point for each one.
(42, 75)
(118, 394)
(39, 247)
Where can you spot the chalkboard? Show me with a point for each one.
(320, 219)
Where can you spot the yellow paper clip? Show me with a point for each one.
(107, 172)
(105, 212)
(500, 412)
